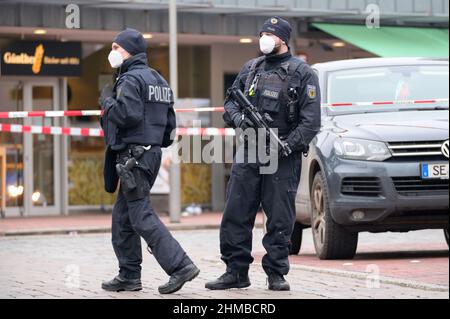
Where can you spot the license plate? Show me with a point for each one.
(435, 171)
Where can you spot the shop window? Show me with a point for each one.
(11, 94)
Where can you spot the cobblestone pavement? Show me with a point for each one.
(74, 266)
(417, 256)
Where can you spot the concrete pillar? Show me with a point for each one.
(217, 98)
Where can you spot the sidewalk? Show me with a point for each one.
(97, 223)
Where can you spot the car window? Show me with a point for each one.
(396, 83)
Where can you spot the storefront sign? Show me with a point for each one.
(41, 58)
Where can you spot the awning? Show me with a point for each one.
(393, 41)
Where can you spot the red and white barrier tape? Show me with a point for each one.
(206, 131)
(91, 132)
(73, 131)
(55, 114)
(201, 110)
(408, 102)
(17, 115)
(51, 130)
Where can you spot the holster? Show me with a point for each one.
(126, 174)
(133, 182)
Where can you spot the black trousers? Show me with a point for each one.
(248, 189)
(133, 219)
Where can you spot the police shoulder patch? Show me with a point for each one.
(312, 92)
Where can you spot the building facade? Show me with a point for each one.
(46, 174)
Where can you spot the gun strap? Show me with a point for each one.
(253, 69)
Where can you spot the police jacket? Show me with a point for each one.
(288, 90)
(141, 110)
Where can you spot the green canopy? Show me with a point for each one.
(393, 41)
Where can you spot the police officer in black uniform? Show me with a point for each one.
(287, 89)
(138, 121)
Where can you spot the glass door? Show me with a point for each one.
(12, 150)
(30, 165)
(42, 151)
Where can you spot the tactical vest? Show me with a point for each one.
(157, 97)
(270, 91)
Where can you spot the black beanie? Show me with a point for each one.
(279, 27)
(132, 41)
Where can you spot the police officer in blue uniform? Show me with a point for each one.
(286, 89)
(138, 121)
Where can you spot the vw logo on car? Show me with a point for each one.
(445, 149)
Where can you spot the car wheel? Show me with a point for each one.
(446, 235)
(331, 241)
(296, 239)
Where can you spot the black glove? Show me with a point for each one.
(274, 149)
(107, 92)
(285, 151)
(243, 122)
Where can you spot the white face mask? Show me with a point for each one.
(115, 59)
(267, 44)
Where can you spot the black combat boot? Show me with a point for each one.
(229, 281)
(179, 279)
(278, 283)
(120, 284)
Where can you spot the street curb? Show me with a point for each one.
(366, 276)
(99, 230)
(55, 231)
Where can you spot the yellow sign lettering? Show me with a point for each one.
(38, 58)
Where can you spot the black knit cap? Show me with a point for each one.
(279, 27)
(132, 41)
